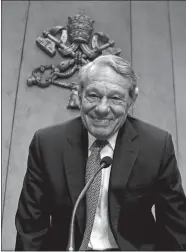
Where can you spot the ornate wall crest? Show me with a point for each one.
(79, 44)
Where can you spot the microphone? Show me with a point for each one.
(105, 163)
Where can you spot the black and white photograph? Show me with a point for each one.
(93, 125)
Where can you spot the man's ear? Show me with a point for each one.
(80, 98)
(132, 102)
(134, 98)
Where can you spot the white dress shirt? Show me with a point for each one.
(101, 236)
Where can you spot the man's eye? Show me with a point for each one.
(115, 98)
(92, 95)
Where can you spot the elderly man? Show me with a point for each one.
(116, 212)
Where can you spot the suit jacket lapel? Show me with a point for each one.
(125, 154)
(75, 158)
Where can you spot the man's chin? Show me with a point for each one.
(101, 134)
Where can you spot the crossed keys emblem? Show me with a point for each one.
(78, 45)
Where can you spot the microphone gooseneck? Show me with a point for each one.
(105, 163)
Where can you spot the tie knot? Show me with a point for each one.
(99, 143)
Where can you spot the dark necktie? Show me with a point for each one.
(93, 164)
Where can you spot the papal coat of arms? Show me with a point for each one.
(78, 44)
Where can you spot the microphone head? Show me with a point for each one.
(106, 162)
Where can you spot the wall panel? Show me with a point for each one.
(37, 107)
(151, 57)
(178, 32)
(14, 16)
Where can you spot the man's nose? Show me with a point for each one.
(103, 108)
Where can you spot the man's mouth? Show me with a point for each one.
(101, 120)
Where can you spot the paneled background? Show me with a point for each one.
(151, 34)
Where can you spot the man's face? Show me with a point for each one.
(105, 102)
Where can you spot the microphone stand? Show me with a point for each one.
(106, 162)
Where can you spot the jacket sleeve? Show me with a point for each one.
(170, 207)
(32, 218)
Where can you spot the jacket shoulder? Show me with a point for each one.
(148, 130)
(59, 131)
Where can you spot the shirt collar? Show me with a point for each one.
(111, 140)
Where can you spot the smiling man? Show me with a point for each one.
(105, 100)
(116, 212)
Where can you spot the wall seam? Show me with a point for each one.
(14, 111)
(131, 32)
(173, 77)
(131, 46)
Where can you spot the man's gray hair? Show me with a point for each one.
(117, 63)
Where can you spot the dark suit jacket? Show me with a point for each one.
(144, 173)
